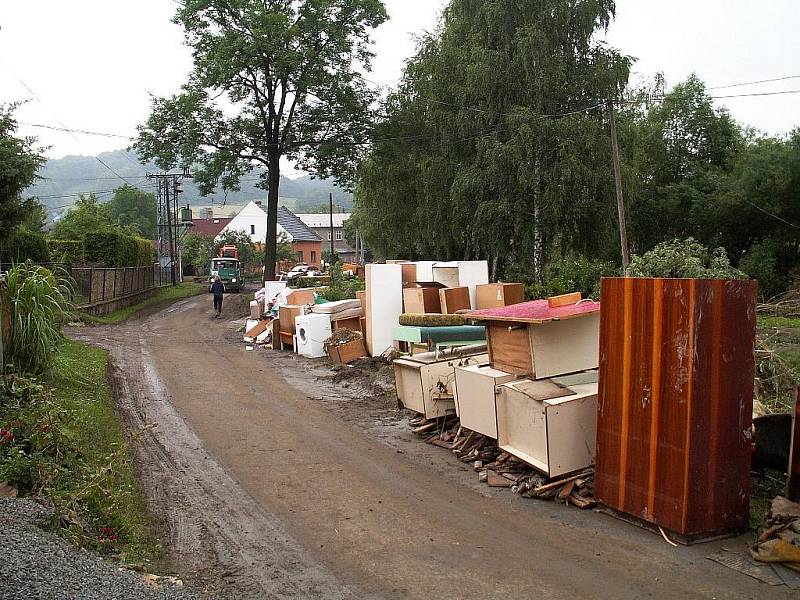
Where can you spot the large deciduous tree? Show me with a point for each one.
(272, 79)
(19, 162)
(134, 208)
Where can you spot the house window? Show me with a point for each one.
(299, 256)
(338, 235)
(313, 257)
(252, 229)
(329, 236)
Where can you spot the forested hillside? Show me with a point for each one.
(60, 179)
(497, 145)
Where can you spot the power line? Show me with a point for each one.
(81, 131)
(733, 85)
(756, 94)
(774, 216)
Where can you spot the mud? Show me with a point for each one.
(277, 476)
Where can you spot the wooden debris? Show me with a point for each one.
(495, 480)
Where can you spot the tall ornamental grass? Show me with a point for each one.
(34, 304)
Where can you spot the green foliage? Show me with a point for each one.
(761, 263)
(479, 170)
(87, 216)
(66, 251)
(112, 248)
(61, 439)
(19, 162)
(135, 209)
(35, 217)
(684, 259)
(564, 276)
(341, 286)
(197, 251)
(24, 245)
(242, 241)
(330, 258)
(37, 302)
(293, 69)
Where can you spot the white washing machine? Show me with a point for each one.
(312, 331)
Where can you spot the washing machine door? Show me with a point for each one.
(302, 335)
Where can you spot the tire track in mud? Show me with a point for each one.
(214, 534)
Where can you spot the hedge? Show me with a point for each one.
(68, 251)
(24, 245)
(115, 249)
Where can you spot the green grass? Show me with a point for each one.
(779, 322)
(107, 497)
(166, 294)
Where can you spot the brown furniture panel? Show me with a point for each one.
(509, 347)
(454, 299)
(675, 402)
(496, 295)
(421, 300)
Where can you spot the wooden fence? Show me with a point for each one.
(97, 285)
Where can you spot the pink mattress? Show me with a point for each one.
(538, 311)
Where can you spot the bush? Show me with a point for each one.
(341, 287)
(564, 276)
(685, 259)
(67, 251)
(34, 304)
(115, 249)
(761, 262)
(24, 245)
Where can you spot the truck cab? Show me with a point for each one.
(229, 269)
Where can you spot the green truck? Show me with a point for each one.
(229, 269)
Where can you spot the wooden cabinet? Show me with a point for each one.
(497, 295)
(424, 382)
(676, 402)
(287, 326)
(551, 427)
(422, 299)
(476, 388)
(452, 300)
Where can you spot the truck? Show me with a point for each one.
(229, 269)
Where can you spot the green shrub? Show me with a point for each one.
(685, 259)
(342, 287)
(577, 274)
(112, 248)
(24, 245)
(761, 262)
(35, 303)
(66, 251)
(145, 255)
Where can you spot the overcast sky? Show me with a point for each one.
(91, 64)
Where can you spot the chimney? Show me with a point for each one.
(258, 202)
(209, 213)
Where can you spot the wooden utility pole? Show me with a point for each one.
(623, 228)
(2, 328)
(333, 252)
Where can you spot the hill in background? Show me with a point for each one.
(61, 180)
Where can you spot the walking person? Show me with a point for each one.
(218, 289)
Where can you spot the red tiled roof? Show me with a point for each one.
(210, 227)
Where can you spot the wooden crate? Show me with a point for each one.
(477, 387)
(451, 300)
(495, 295)
(544, 350)
(422, 300)
(676, 402)
(347, 353)
(351, 323)
(549, 426)
(418, 379)
(301, 298)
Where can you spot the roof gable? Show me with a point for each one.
(297, 230)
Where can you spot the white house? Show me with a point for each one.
(252, 220)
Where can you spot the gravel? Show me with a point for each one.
(35, 563)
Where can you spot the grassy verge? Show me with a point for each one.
(779, 322)
(65, 442)
(166, 294)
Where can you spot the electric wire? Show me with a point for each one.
(733, 85)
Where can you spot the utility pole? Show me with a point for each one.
(2, 327)
(623, 228)
(333, 252)
(169, 184)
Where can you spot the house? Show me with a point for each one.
(321, 225)
(252, 220)
(210, 225)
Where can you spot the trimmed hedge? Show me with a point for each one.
(115, 249)
(24, 245)
(68, 251)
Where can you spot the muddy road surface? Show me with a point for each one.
(275, 477)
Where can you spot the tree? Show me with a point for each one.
(132, 207)
(87, 216)
(242, 241)
(36, 217)
(19, 162)
(496, 145)
(197, 251)
(291, 69)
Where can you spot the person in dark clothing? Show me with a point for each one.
(218, 289)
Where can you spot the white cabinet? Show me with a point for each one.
(477, 386)
(551, 427)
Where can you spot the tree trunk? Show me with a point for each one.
(271, 243)
(538, 241)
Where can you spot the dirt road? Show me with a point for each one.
(317, 490)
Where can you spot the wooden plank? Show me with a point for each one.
(452, 300)
(675, 398)
(564, 299)
(793, 481)
(509, 348)
(422, 300)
